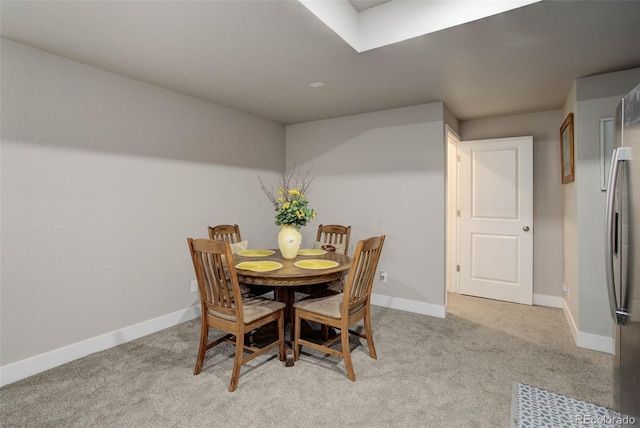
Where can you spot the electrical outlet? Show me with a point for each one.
(194, 286)
(383, 276)
(565, 289)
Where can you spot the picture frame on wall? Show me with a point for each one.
(566, 150)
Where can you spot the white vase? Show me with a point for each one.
(289, 240)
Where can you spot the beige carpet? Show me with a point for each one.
(430, 372)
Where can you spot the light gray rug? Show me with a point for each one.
(536, 408)
(430, 372)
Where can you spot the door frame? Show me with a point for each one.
(452, 252)
(452, 255)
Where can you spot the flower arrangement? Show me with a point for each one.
(291, 204)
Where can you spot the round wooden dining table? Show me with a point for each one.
(289, 278)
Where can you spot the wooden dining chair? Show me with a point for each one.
(344, 309)
(225, 309)
(331, 237)
(335, 235)
(231, 233)
(225, 232)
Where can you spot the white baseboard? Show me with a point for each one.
(33, 365)
(572, 324)
(408, 305)
(587, 340)
(596, 342)
(549, 301)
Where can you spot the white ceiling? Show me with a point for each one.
(261, 56)
(361, 5)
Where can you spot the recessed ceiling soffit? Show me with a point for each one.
(397, 20)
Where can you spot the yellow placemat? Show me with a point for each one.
(316, 264)
(255, 253)
(311, 252)
(259, 266)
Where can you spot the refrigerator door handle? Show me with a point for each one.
(620, 154)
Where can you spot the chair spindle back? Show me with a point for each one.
(219, 292)
(225, 232)
(334, 234)
(363, 270)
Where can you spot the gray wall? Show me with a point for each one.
(596, 97)
(570, 230)
(547, 188)
(103, 179)
(383, 173)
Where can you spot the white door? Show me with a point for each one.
(496, 219)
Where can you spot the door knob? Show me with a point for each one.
(526, 228)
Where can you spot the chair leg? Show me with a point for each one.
(325, 332)
(204, 337)
(368, 331)
(282, 353)
(237, 362)
(346, 353)
(296, 336)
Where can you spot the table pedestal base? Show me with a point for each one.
(266, 333)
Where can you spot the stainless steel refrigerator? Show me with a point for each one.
(622, 256)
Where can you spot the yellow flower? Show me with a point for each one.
(280, 199)
(285, 206)
(294, 192)
(295, 202)
(280, 191)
